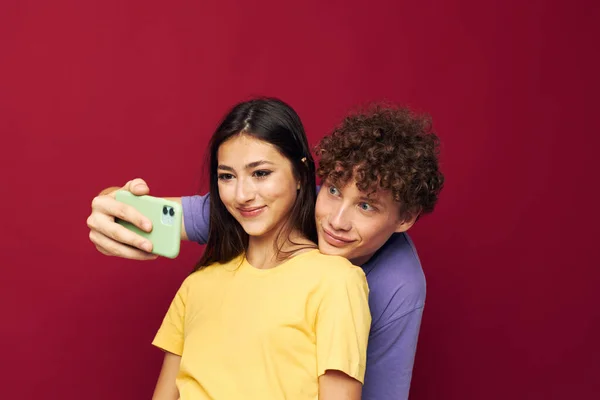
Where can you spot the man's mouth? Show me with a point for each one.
(335, 240)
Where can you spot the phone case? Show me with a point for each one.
(165, 216)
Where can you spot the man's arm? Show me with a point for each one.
(392, 349)
(113, 239)
(196, 214)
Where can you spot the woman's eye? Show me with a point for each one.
(225, 177)
(333, 190)
(366, 207)
(262, 173)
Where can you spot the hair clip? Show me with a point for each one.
(303, 160)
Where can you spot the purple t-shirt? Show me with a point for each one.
(396, 300)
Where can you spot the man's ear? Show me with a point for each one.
(406, 223)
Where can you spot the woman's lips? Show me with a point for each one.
(249, 212)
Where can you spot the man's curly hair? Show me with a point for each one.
(385, 147)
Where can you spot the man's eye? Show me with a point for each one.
(333, 190)
(366, 207)
(261, 173)
(225, 177)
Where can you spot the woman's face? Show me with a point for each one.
(256, 184)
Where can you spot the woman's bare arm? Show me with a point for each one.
(336, 385)
(165, 386)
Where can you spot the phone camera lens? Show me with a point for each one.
(171, 212)
(165, 211)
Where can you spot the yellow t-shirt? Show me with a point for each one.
(247, 333)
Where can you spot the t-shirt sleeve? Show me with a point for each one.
(171, 332)
(392, 349)
(196, 217)
(342, 326)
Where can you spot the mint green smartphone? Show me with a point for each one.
(165, 216)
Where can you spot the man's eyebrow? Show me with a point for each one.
(371, 200)
(251, 165)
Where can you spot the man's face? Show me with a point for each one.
(354, 224)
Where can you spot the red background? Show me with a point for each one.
(93, 93)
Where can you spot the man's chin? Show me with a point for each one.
(330, 250)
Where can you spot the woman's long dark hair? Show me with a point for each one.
(274, 122)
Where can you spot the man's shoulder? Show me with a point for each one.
(396, 280)
(397, 264)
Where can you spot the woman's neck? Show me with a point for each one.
(263, 254)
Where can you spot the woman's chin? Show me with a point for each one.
(255, 230)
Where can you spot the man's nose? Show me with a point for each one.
(340, 220)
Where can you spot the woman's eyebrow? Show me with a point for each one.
(251, 165)
(257, 163)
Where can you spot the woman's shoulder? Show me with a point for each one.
(336, 277)
(333, 266)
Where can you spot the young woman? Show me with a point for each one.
(264, 315)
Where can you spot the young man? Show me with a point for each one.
(379, 171)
